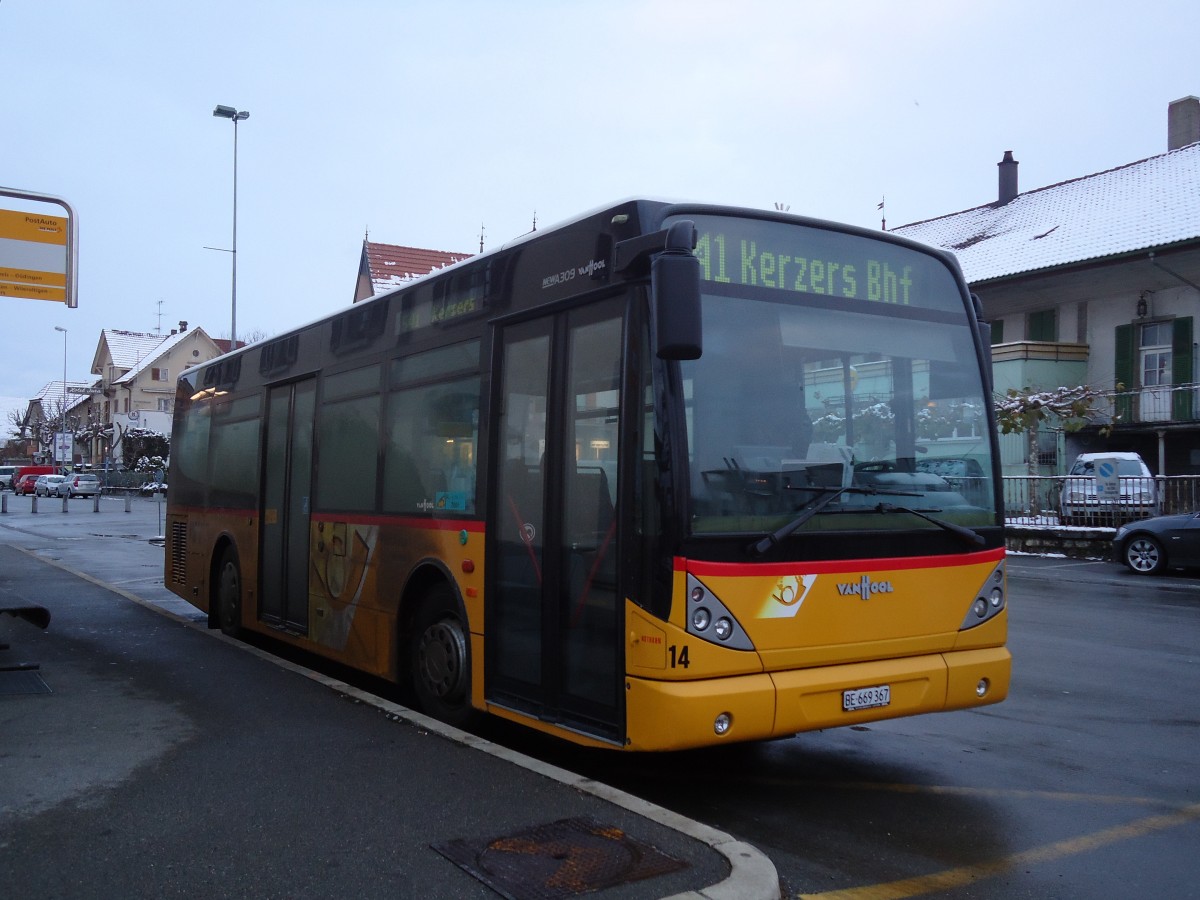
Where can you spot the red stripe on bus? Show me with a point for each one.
(404, 521)
(741, 570)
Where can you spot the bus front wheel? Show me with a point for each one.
(229, 594)
(441, 660)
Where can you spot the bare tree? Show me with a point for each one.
(1024, 411)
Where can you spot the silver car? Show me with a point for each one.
(80, 485)
(1081, 503)
(47, 485)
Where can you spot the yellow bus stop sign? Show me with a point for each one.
(37, 252)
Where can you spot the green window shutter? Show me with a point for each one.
(1123, 404)
(1043, 326)
(997, 331)
(1181, 369)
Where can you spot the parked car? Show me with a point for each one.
(47, 485)
(80, 485)
(25, 484)
(1151, 546)
(6, 476)
(1080, 503)
(962, 473)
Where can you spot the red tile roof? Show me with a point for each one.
(391, 264)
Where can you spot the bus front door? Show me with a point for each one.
(287, 493)
(554, 646)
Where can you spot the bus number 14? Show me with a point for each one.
(679, 657)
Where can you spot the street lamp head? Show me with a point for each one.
(60, 328)
(228, 112)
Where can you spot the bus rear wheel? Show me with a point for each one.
(441, 658)
(229, 594)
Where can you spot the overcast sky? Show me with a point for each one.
(421, 122)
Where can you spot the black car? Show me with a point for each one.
(1151, 546)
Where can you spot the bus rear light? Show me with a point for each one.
(722, 723)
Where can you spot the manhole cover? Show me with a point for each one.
(558, 860)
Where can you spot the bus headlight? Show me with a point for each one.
(710, 620)
(989, 601)
(982, 687)
(722, 723)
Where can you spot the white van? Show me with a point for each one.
(6, 477)
(1080, 503)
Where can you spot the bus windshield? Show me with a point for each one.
(839, 386)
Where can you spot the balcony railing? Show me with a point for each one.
(1170, 403)
(1060, 500)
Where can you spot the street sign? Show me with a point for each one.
(1108, 484)
(38, 251)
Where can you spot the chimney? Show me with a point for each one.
(182, 326)
(1183, 122)
(1008, 178)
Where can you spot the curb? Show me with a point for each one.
(752, 875)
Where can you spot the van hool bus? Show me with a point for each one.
(656, 478)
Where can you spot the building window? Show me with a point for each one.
(1154, 369)
(997, 331)
(164, 405)
(159, 375)
(1043, 325)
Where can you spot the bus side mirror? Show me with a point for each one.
(675, 295)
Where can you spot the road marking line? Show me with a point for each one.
(965, 875)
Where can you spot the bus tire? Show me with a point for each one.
(440, 655)
(229, 594)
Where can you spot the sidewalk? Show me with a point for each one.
(167, 759)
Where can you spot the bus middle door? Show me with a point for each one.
(287, 504)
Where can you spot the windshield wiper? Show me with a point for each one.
(969, 535)
(828, 495)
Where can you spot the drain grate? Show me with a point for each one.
(22, 681)
(559, 860)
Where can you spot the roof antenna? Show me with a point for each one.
(883, 217)
(158, 327)
(535, 220)
(481, 232)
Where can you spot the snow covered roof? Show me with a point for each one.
(164, 347)
(1151, 203)
(53, 393)
(127, 348)
(391, 264)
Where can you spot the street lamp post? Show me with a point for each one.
(235, 115)
(63, 424)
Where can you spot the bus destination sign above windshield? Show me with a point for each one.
(807, 260)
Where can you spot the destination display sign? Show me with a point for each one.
(803, 259)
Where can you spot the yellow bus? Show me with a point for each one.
(646, 480)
